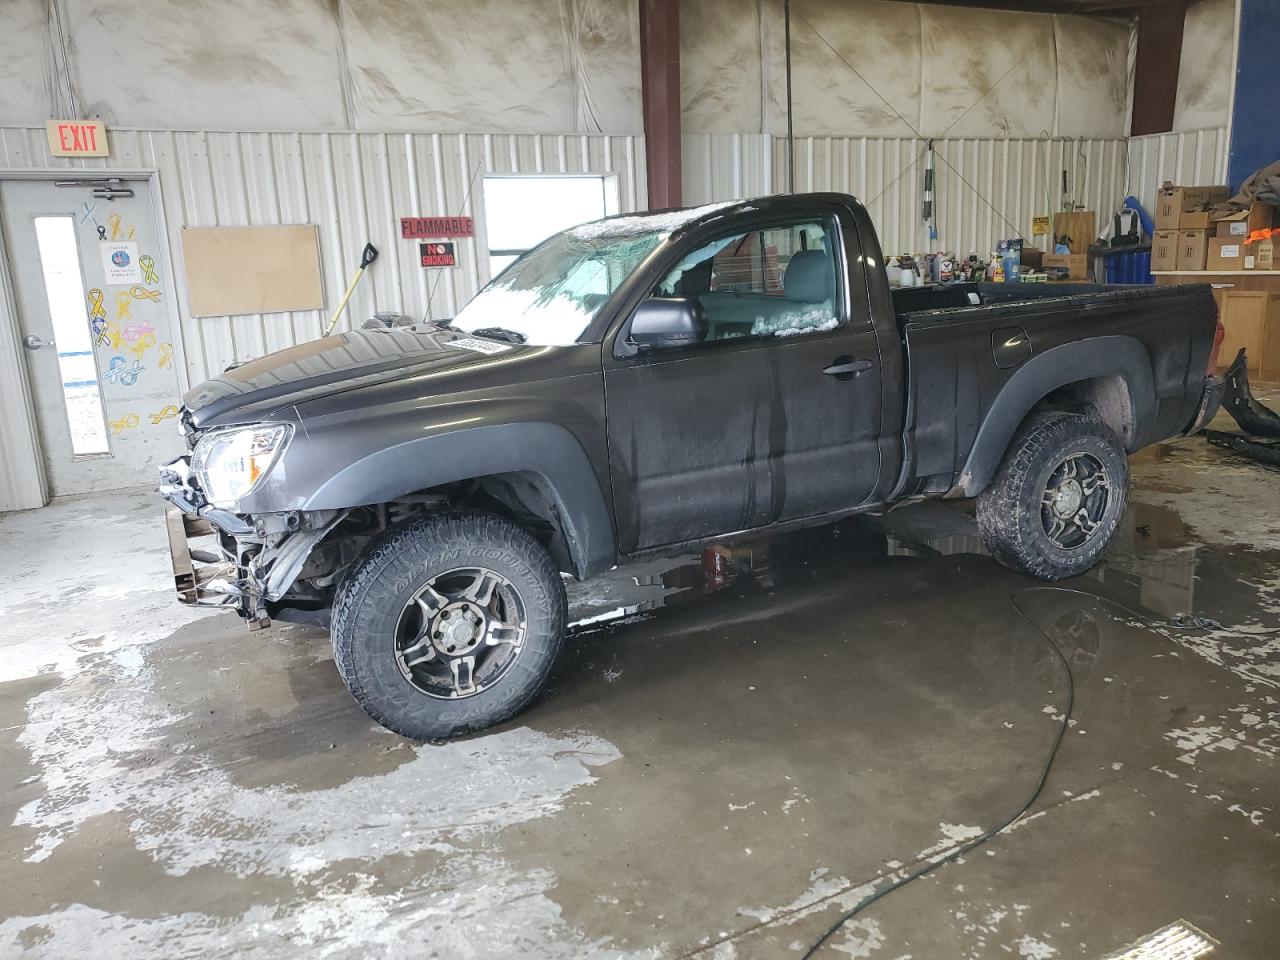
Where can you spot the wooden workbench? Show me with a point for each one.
(1249, 305)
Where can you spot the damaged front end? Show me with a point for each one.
(250, 563)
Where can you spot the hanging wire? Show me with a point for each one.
(910, 126)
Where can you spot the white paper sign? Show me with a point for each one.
(120, 262)
(479, 346)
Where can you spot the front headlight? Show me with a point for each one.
(230, 463)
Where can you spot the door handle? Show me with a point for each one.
(846, 367)
(32, 342)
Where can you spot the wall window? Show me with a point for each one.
(522, 211)
(777, 281)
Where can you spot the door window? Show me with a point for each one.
(64, 288)
(777, 281)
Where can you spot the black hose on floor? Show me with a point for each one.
(1044, 773)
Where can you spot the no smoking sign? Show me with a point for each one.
(437, 254)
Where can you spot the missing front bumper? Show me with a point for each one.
(200, 577)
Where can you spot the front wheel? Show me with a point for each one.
(448, 624)
(1058, 496)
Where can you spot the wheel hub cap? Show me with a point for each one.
(459, 627)
(1067, 499)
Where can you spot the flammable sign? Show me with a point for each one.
(437, 253)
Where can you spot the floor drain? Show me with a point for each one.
(1177, 941)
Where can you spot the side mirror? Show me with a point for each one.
(668, 322)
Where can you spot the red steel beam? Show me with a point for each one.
(1155, 68)
(660, 99)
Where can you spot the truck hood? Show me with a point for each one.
(339, 363)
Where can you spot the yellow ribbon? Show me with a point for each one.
(148, 265)
(96, 310)
(143, 344)
(114, 221)
(166, 356)
(164, 413)
(122, 305)
(128, 421)
(142, 293)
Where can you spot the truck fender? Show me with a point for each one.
(1059, 366)
(545, 449)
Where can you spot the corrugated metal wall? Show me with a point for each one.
(1193, 158)
(356, 186)
(986, 190)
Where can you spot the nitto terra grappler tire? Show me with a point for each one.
(448, 624)
(1058, 496)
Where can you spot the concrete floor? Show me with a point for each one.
(711, 774)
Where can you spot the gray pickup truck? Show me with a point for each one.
(642, 384)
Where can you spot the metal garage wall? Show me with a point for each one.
(1194, 158)
(988, 181)
(356, 186)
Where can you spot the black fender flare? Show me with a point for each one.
(1056, 367)
(542, 448)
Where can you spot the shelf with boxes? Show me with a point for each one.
(1197, 231)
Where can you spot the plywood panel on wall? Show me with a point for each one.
(232, 271)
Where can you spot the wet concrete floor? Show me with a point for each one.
(735, 748)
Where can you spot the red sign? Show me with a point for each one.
(77, 138)
(437, 254)
(415, 227)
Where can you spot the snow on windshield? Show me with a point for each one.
(645, 222)
(551, 294)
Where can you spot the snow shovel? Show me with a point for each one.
(369, 255)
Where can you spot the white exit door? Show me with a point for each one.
(96, 331)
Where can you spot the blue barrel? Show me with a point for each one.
(1126, 264)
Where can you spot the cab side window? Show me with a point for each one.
(778, 281)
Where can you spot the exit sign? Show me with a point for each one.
(77, 138)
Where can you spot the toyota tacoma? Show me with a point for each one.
(642, 384)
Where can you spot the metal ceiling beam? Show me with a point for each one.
(1155, 68)
(660, 99)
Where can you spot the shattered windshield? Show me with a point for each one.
(550, 295)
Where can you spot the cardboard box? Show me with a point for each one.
(1201, 218)
(1260, 255)
(1225, 253)
(1076, 264)
(1193, 249)
(1172, 202)
(1241, 223)
(1164, 250)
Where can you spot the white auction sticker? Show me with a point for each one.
(120, 262)
(479, 346)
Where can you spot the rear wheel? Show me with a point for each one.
(448, 624)
(1058, 496)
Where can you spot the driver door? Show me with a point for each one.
(763, 421)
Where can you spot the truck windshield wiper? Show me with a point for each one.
(500, 333)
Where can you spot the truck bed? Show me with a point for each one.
(960, 354)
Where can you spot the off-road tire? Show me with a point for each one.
(1009, 510)
(386, 578)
